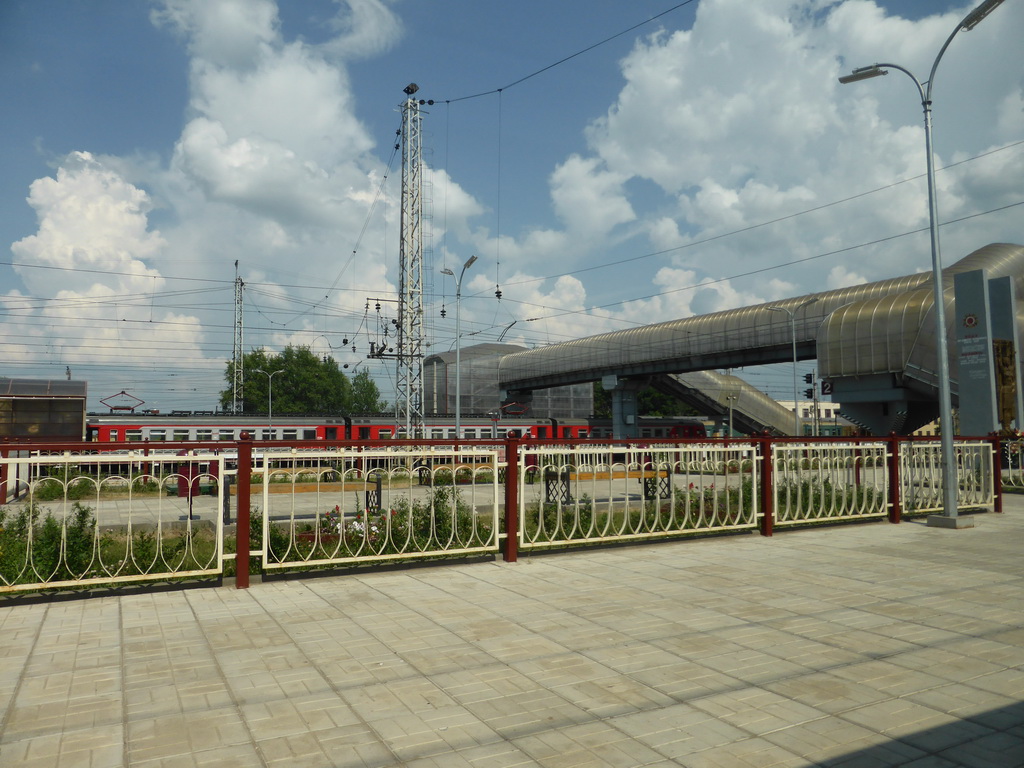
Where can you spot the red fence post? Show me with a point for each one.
(767, 486)
(895, 499)
(511, 553)
(242, 506)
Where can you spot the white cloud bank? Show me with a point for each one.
(713, 131)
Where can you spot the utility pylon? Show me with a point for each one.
(409, 375)
(238, 372)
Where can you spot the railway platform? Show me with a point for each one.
(857, 645)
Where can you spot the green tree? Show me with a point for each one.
(365, 395)
(306, 383)
(650, 402)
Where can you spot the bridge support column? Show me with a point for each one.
(625, 423)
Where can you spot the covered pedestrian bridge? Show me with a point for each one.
(875, 345)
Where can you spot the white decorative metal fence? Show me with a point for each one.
(341, 507)
(921, 475)
(816, 481)
(74, 520)
(571, 494)
(1012, 458)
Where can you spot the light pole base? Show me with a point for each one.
(943, 521)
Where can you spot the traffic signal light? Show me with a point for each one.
(808, 378)
(809, 393)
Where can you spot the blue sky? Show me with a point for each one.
(148, 146)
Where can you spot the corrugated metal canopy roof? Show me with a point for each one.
(41, 388)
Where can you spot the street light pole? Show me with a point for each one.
(458, 342)
(949, 475)
(270, 395)
(792, 329)
(731, 398)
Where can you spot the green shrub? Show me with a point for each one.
(35, 547)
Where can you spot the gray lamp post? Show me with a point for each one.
(731, 397)
(270, 395)
(792, 329)
(949, 478)
(458, 342)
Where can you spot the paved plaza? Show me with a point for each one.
(861, 645)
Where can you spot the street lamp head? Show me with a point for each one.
(447, 271)
(864, 73)
(469, 262)
(975, 17)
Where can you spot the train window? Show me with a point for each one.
(133, 435)
(226, 434)
(268, 434)
(385, 434)
(364, 433)
(437, 434)
(204, 434)
(158, 435)
(309, 434)
(290, 434)
(330, 433)
(470, 434)
(180, 434)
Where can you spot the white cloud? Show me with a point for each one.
(273, 169)
(741, 120)
(841, 277)
(714, 131)
(367, 28)
(89, 219)
(225, 32)
(100, 294)
(290, 96)
(589, 199)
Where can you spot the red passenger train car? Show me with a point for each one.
(186, 426)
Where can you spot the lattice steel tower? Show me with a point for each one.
(409, 377)
(238, 372)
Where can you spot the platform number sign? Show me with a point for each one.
(826, 387)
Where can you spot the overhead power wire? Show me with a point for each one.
(770, 267)
(571, 56)
(359, 239)
(751, 227)
(362, 290)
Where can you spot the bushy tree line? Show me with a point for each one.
(306, 384)
(650, 402)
